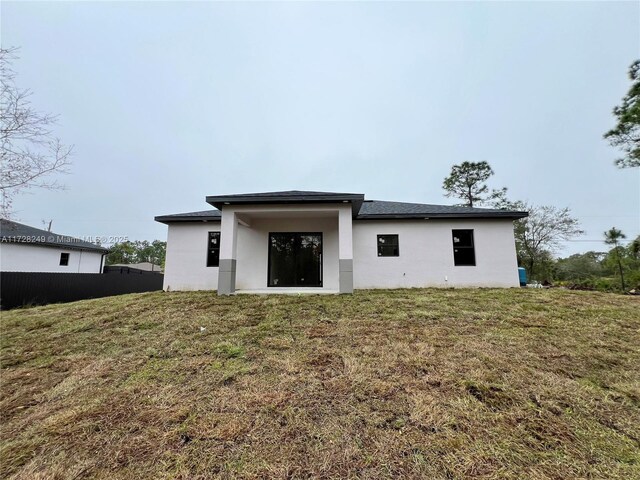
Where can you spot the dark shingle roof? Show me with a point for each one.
(202, 216)
(283, 194)
(362, 209)
(289, 196)
(14, 232)
(376, 209)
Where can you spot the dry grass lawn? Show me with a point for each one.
(382, 384)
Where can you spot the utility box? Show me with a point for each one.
(522, 275)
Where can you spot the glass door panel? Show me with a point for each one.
(295, 260)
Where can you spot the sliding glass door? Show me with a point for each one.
(295, 259)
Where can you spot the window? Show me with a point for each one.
(64, 259)
(463, 250)
(213, 249)
(388, 246)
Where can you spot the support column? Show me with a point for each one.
(345, 249)
(228, 253)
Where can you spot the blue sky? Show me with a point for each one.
(167, 102)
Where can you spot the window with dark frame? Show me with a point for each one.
(64, 259)
(213, 249)
(388, 246)
(464, 254)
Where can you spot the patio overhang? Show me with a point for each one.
(264, 221)
(288, 198)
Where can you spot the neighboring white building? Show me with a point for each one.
(28, 249)
(335, 242)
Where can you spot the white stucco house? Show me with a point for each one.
(28, 249)
(295, 241)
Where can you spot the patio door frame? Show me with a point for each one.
(297, 245)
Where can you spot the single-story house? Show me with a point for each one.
(28, 249)
(324, 242)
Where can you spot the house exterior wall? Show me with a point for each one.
(21, 257)
(426, 254)
(253, 249)
(186, 258)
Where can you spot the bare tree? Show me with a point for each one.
(542, 232)
(30, 152)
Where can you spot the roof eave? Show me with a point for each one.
(220, 201)
(444, 216)
(167, 219)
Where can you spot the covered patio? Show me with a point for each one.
(302, 246)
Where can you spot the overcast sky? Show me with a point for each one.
(169, 102)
